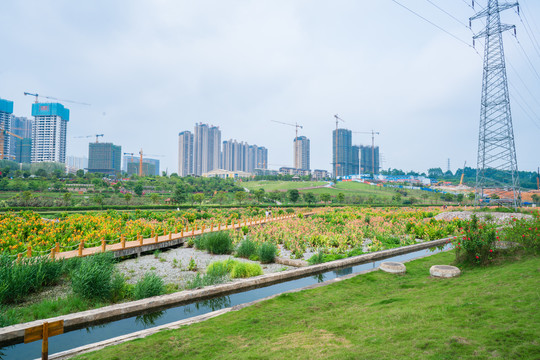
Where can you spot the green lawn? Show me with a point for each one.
(487, 312)
(280, 185)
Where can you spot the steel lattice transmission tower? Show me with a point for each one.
(496, 148)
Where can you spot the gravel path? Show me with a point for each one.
(172, 265)
(499, 218)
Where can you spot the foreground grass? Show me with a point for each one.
(487, 312)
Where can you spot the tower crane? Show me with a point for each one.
(87, 136)
(296, 125)
(53, 98)
(141, 159)
(2, 137)
(463, 174)
(336, 164)
(373, 133)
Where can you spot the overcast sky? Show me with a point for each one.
(151, 69)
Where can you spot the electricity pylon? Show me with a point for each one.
(496, 148)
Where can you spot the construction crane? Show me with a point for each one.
(87, 136)
(53, 98)
(338, 119)
(373, 133)
(2, 137)
(462, 174)
(296, 125)
(141, 159)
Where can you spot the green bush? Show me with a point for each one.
(245, 270)
(525, 232)
(20, 278)
(267, 252)
(93, 278)
(221, 268)
(317, 258)
(218, 243)
(200, 242)
(204, 280)
(246, 248)
(149, 285)
(476, 243)
(120, 290)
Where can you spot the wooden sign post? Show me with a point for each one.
(43, 332)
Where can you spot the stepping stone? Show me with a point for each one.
(393, 267)
(444, 271)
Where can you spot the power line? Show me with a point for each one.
(515, 101)
(531, 36)
(447, 13)
(432, 23)
(528, 59)
(523, 82)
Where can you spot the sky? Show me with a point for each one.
(151, 69)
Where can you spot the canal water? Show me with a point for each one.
(129, 325)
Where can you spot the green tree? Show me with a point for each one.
(26, 196)
(448, 197)
(179, 195)
(127, 197)
(495, 196)
(536, 198)
(326, 197)
(293, 195)
(340, 198)
(198, 197)
(460, 197)
(99, 199)
(138, 189)
(309, 197)
(154, 198)
(67, 198)
(259, 195)
(220, 197)
(240, 196)
(80, 173)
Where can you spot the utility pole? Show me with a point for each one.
(496, 147)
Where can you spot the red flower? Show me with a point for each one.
(490, 250)
(478, 257)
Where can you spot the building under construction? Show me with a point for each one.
(104, 158)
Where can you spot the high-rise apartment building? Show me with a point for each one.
(104, 158)
(21, 149)
(342, 152)
(369, 159)
(301, 153)
(6, 113)
(355, 160)
(185, 153)
(206, 148)
(240, 156)
(49, 132)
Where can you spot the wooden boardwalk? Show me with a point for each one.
(124, 248)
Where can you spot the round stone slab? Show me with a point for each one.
(393, 267)
(444, 271)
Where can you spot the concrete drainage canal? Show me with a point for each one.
(89, 332)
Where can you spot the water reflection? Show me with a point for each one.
(343, 272)
(148, 320)
(319, 278)
(215, 303)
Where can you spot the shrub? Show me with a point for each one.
(245, 229)
(93, 278)
(218, 243)
(317, 258)
(476, 243)
(246, 248)
(267, 252)
(525, 231)
(244, 270)
(221, 268)
(199, 242)
(149, 285)
(119, 288)
(18, 279)
(205, 280)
